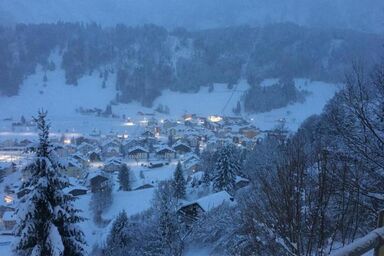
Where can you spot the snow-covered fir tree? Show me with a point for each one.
(226, 169)
(119, 238)
(124, 178)
(179, 183)
(168, 227)
(47, 217)
(100, 201)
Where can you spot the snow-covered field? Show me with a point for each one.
(62, 100)
(319, 94)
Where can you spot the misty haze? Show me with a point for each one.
(191, 128)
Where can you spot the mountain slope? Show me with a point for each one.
(361, 15)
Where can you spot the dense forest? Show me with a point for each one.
(149, 58)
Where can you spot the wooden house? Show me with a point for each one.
(9, 220)
(181, 148)
(138, 153)
(191, 211)
(94, 157)
(127, 145)
(76, 190)
(113, 165)
(98, 182)
(166, 153)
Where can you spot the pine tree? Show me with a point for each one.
(179, 182)
(168, 228)
(124, 178)
(119, 238)
(48, 219)
(226, 169)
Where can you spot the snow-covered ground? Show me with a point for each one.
(319, 94)
(62, 100)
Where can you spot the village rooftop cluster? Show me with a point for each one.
(94, 160)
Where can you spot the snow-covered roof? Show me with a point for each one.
(9, 215)
(110, 143)
(164, 148)
(180, 143)
(78, 157)
(137, 148)
(96, 173)
(70, 188)
(114, 160)
(211, 201)
(197, 175)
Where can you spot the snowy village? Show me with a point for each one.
(191, 128)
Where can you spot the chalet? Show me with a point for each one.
(191, 164)
(74, 169)
(138, 153)
(196, 178)
(191, 211)
(98, 181)
(112, 152)
(94, 157)
(76, 190)
(166, 153)
(80, 159)
(113, 165)
(192, 140)
(127, 145)
(181, 148)
(9, 220)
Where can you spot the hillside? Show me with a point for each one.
(62, 101)
(216, 13)
(141, 62)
